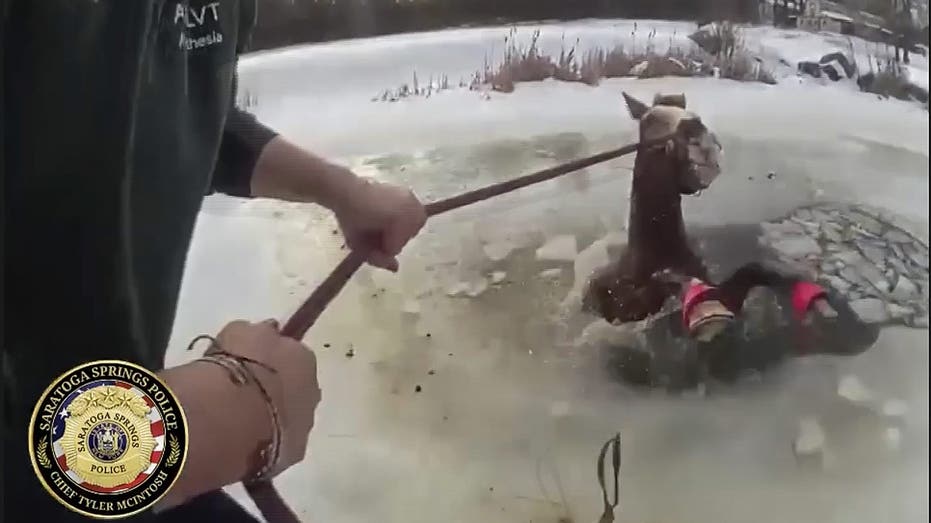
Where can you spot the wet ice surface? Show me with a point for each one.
(510, 414)
(502, 393)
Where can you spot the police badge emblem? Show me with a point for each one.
(108, 439)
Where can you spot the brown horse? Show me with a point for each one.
(659, 261)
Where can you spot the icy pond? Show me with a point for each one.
(456, 391)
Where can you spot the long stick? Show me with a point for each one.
(305, 317)
(264, 494)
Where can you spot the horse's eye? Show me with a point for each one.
(692, 127)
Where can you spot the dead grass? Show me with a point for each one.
(725, 44)
(528, 63)
(887, 78)
(247, 101)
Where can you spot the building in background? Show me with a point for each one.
(822, 15)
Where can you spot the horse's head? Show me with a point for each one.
(692, 146)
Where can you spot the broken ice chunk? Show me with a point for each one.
(558, 248)
(872, 252)
(898, 312)
(810, 227)
(776, 230)
(897, 236)
(614, 239)
(804, 214)
(498, 277)
(892, 436)
(820, 216)
(551, 273)
(917, 257)
(871, 274)
(870, 310)
(852, 389)
(477, 287)
(838, 284)
(796, 247)
(867, 223)
(849, 257)
(904, 289)
(589, 260)
(411, 307)
(498, 251)
(850, 275)
(832, 234)
(810, 438)
(895, 408)
(602, 333)
(897, 265)
(471, 288)
(457, 289)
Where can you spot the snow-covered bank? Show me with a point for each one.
(507, 421)
(334, 83)
(347, 66)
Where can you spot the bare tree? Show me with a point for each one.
(899, 19)
(907, 29)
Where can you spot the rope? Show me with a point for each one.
(266, 497)
(613, 444)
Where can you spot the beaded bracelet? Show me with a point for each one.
(266, 456)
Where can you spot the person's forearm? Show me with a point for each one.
(285, 171)
(221, 439)
(244, 138)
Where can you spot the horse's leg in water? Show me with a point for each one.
(620, 294)
(619, 298)
(615, 295)
(823, 320)
(700, 324)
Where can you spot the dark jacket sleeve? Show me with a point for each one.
(244, 137)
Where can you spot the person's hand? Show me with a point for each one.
(293, 386)
(379, 219)
(228, 422)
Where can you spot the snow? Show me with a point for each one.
(495, 411)
(836, 16)
(918, 75)
(333, 83)
(459, 53)
(784, 49)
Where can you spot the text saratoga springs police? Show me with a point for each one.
(64, 387)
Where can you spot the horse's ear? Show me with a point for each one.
(673, 100)
(636, 108)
